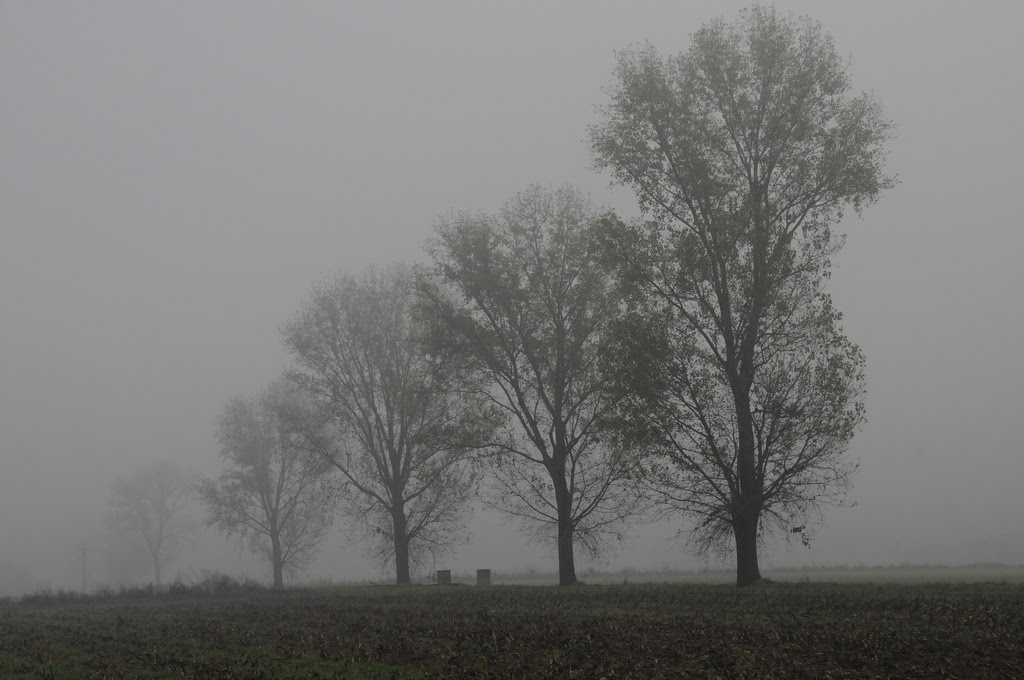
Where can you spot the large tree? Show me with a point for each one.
(521, 298)
(396, 418)
(271, 492)
(745, 151)
(149, 504)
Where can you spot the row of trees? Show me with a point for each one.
(586, 371)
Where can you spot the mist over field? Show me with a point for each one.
(174, 179)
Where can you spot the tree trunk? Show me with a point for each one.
(748, 505)
(566, 561)
(275, 548)
(745, 528)
(563, 502)
(401, 546)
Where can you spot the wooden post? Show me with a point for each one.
(444, 577)
(483, 577)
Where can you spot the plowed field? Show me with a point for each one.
(628, 631)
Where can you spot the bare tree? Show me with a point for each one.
(395, 418)
(522, 298)
(744, 152)
(271, 491)
(150, 503)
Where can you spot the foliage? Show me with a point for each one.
(397, 419)
(521, 298)
(806, 403)
(150, 503)
(271, 492)
(209, 581)
(51, 595)
(744, 152)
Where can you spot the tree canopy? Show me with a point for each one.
(395, 417)
(744, 152)
(271, 492)
(150, 503)
(520, 296)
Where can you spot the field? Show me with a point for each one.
(911, 574)
(614, 631)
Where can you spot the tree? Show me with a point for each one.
(520, 297)
(271, 491)
(150, 503)
(744, 152)
(396, 419)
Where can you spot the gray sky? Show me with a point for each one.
(175, 176)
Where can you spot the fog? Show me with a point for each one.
(175, 176)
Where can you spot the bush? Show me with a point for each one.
(205, 583)
(214, 582)
(49, 596)
(123, 591)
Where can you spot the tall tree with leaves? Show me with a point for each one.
(271, 492)
(150, 504)
(745, 151)
(396, 418)
(520, 297)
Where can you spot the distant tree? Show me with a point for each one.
(522, 299)
(149, 504)
(744, 151)
(124, 558)
(395, 418)
(271, 491)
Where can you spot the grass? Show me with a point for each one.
(909, 574)
(679, 630)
